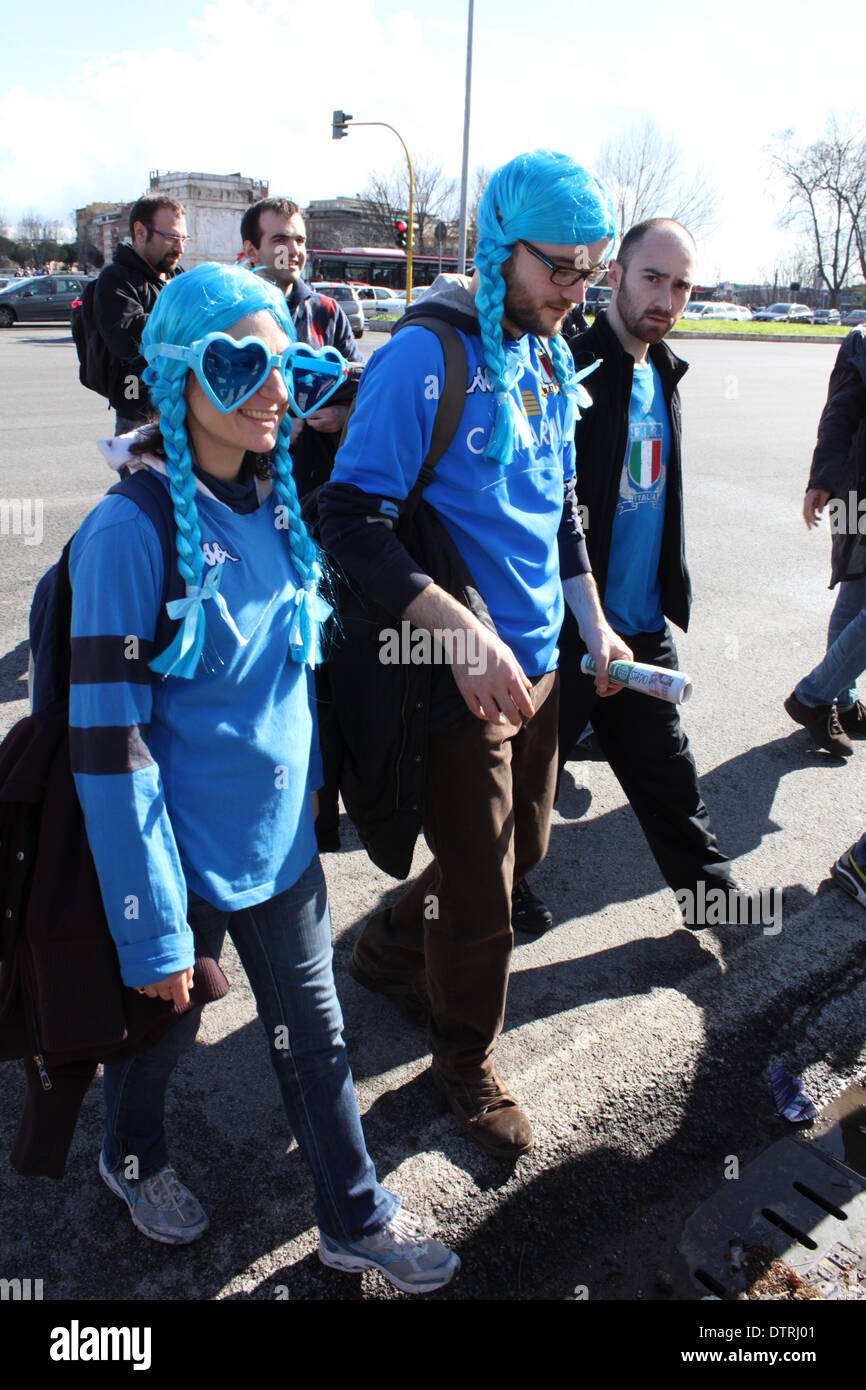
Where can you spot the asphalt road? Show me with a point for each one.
(639, 1049)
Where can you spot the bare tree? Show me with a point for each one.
(478, 183)
(798, 266)
(827, 198)
(648, 177)
(387, 196)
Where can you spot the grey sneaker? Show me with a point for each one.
(160, 1206)
(400, 1251)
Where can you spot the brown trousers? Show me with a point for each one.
(487, 821)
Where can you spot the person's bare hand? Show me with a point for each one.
(175, 987)
(604, 646)
(297, 426)
(814, 503)
(329, 419)
(493, 684)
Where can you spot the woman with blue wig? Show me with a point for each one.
(196, 756)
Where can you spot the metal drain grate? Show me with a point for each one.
(794, 1203)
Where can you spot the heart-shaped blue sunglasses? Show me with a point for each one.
(231, 370)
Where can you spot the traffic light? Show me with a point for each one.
(338, 127)
(400, 230)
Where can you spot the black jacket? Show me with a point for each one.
(600, 446)
(320, 321)
(839, 460)
(125, 294)
(63, 1004)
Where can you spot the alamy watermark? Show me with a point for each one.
(720, 906)
(20, 1290)
(847, 516)
(22, 516)
(441, 646)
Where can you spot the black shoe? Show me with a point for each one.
(529, 913)
(853, 719)
(822, 721)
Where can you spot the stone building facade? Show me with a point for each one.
(215, 204)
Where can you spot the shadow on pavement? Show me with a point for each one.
(13, 673)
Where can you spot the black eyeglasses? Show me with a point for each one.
(561, 274)
(173, 237)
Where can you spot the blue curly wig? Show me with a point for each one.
(210, 298)
(540, 196)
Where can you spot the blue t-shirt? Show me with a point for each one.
(203, 782)
(632, 597)
(503, 518)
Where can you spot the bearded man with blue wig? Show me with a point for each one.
(504, 492)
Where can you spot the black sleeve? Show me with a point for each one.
(357, 528)
(344, 339)
(843, 414)
(120, 318)
(573, 556)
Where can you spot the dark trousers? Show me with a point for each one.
(487, 820)
(643, 740)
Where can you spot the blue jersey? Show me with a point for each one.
(204, 782)
(503, 518)
(632, 598)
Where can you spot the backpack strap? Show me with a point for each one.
(451, 402)
(153, 497)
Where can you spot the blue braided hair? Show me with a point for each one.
(210, 298)
(540, 196)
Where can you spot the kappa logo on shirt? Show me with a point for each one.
(215, 555)
(480, 381)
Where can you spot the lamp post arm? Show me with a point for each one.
(409, 233)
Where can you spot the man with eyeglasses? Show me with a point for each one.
(629, 479)
(125, 294)
(475, 759)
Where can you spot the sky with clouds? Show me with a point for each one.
(92, 98)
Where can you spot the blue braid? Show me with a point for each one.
(563, 362)
(304, 549)
(306, 555)
(170, 396)
(490, 302)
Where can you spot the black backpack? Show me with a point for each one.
(30, 742)
(95, 363)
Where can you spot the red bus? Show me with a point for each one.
(377, 265)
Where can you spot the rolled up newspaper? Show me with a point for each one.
(673, 686)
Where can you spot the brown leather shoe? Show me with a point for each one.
(408, 992)
(488, 1113)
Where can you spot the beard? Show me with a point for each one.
(525, 312)
(634, 317)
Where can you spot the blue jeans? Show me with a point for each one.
(285, 947)
(834, 679)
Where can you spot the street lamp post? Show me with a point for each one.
(339, 129)
(464, 181)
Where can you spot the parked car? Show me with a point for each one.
(855, 317)
(695, 309)
(379, 299)
(597, 297)
(733, 313)
(784, 313)
(40, 299)
(348, 301)
(826, 316)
